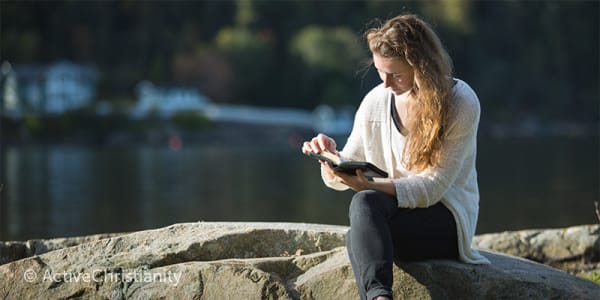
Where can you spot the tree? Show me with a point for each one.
(331, 57)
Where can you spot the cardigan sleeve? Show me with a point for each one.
(428, 187)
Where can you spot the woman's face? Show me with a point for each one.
(395, 73)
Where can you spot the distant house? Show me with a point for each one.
(68, 86)
(11, 105)
(166, 101)
(52, 89)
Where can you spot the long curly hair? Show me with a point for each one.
(409, 38)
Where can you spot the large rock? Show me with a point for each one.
(262, 261)
(15, 250)
(546, 245)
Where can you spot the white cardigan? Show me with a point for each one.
(375, 139)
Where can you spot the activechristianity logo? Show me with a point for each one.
(104, 275)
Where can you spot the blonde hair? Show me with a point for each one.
(409, 38)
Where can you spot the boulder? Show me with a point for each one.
(546, 245)
(262, 261)
(15, 250)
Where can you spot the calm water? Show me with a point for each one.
(52, 191)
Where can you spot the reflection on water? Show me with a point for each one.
(53, 191)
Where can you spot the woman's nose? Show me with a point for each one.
(386, 80)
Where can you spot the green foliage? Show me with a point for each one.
(524, 58)
(454, 14)
(335, 49)
(245, 13)
(593, 277)
(54, 125)
(237, 41)
(190, 120)
(77, 125)
(252, 58)
(336, 93)
(33, 124)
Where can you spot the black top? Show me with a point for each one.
(396, 119)
(403, 131)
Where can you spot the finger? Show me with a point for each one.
(344, 178)
(326, 143)
(342, 175)
(332, 146)
(321, 142)
(329, 171)
(328, 167)
(361, 175)
(306, 147)
(314, 143)
(329, 143)
(333, 171)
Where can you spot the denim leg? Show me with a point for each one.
(424, 233)
(362, 293)
(369, 243)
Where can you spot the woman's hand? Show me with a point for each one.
(319, 143)
(356, 182)
(359, 182)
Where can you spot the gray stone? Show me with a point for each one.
(15, 250)
(546, 245)
(262, 261)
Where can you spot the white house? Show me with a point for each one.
(53, 89)
(68, 86)
(166, 101)
(10, 91)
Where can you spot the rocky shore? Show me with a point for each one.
(575, 250)
(208, 260)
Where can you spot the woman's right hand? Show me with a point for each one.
(319, 143)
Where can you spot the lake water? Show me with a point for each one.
(57, 190)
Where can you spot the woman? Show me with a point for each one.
(420, 125)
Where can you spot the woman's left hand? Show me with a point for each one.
(359, 182)
(356, 182)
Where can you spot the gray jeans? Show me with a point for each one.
(381, 232)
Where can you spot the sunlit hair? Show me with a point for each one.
(409, 38)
